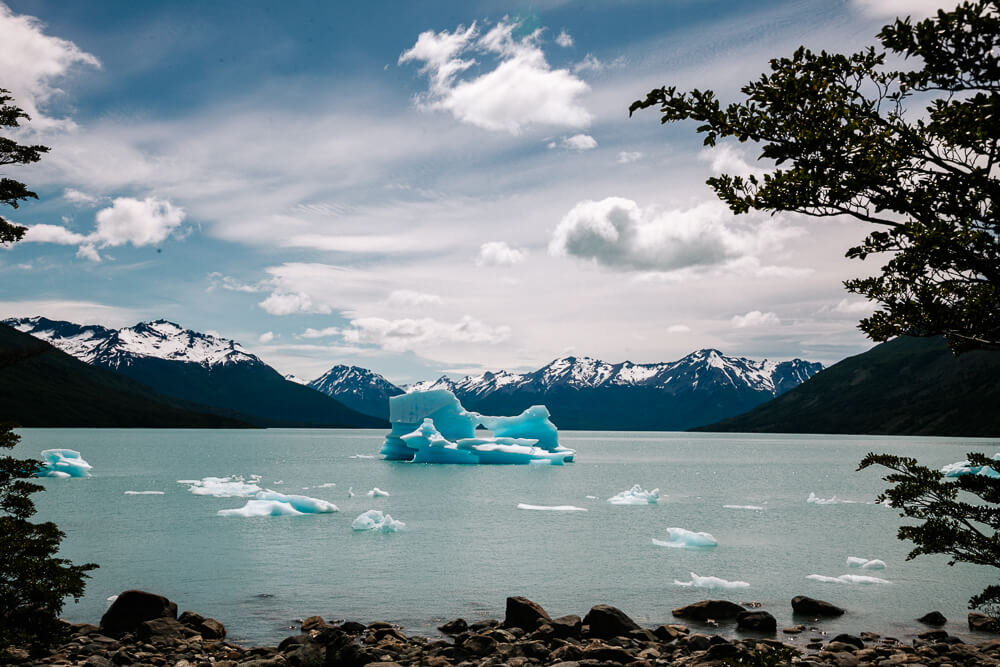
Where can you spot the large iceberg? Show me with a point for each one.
(63, 463)
(433, 427)
(960, 468)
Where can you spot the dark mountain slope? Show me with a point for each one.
(907, 386)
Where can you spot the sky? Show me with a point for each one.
(418, 188)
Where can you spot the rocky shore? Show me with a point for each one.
(144, 629)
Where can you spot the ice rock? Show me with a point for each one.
(848, 579)
(272, 503)
(711, 583)
(960, 468)
(636, 496)
(377, 493)
(376, 521)
(683, 538)
(433, 427)
(233, 486)
(865, 564)
(63, 463)
(832, 500)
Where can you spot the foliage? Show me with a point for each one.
(952, 525)
(11, 152)
(837, 130)
(33, 582)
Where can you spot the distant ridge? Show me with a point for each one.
(358, 388)
(907, 386)
(41, 386)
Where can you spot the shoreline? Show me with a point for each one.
(143, 628)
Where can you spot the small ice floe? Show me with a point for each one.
(272, 503)
(377, 493)
(144, 493)
(682, 538)
(742, 507)
(328, 485)
(865, 564)
(63, 463)
(350, 492)
(591, 497)
(848, 579)
(636, 496)
(376, 521)
(711, 582)
(550, 508)
(833, 500)
(233, 486)
(280, 481)
(960, 468)
(362, 456)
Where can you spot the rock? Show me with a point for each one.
(479, 645)
(982, 622)
(605, 653)
(134, 607)
(934, 618)
(98, 661)
(191, 619)
(794, 630)
(845, 638)
(709, 609)
(454, 627)
(523, 613)
(606, 621)
(313, 623)
(758, 621)
(352, 627)
(811, 607)
(566, 626)
(722, 651)
(161, 628)
(212, 629)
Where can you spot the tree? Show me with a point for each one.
(11, 152)
(965, 531)
(33, 582)
(838, 131)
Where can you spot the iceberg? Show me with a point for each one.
(711, 582)
(960, 468)
(833, 500)
(682, 538)
(848, 579)
(144, 493)
(377, 493)
(272, 503)
(742, 507)
(636, 496)
(550, 508)
(433, 427)
(63, 463)
(233, 486)
(376, 521)
(865, 564)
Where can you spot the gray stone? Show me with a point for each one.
(808, 606)
(607, 621)
(709, 609)
(525, 614)
(134, 607)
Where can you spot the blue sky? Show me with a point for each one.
(417, 188)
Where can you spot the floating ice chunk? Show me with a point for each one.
(433, 427)
(865, 564)
(144, 493)
(833, 500)
(551, 508)
(272, 503)
(361, 456)
(848, 579)
(377, 492)
(711, 582)
(960, 468)
(255, 508)
(233, 486)
(591, 497)
(682, 538)
(742, 507)
(636, 496)
(375, 520)
(63, 463)
(350, 492)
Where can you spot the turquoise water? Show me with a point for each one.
(467, 546)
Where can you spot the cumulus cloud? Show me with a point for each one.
(79, 198)
(89, 252)
(32, 64)
(615, 232)
(522, 90)
(499, 253)
(288, 303)
(320, 333)
(53, 234)
(266, 337)
(405, 297)
(578, 142)
(728, 159)
(564, 39)
(624, 157)
(402, 335)
(755, 318)
(592, 63)
(855, 307)
(890, 9)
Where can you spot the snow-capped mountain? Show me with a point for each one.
(357, 388)
(215, 372)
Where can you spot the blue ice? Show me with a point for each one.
(636, 496)
(63, 463)
(683, 538)
(272, 503)
(966, 468)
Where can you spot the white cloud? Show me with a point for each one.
(266, 337)
(578, 142)
(139, 222)
(499, 253)
(216, 279)
(284, 303)
(855, 307)
(53, 234)
(79, 198)
(624, 157)
(590, 62)
(31, 64)
(617, 233)
(405, 297)
(727, 159)
(81, 312)
(89, 252)
(564, 39)
(755, 318)
(320, 333)
(414, 334)
(890, 9)
(678, 328)
(521, 91)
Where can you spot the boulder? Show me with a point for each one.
(982, 622)
(479, 645)
(191, 619)
(212, 629)
(454, 627)
(566, 626)
(851, 640)
(313, 623)
(757, 621)
(710, 609)
(132, 608)
(811, 607)
(934, 618)
(606, 621)
(161, 628)
(523, 613)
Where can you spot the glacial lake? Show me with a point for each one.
(467, 546)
